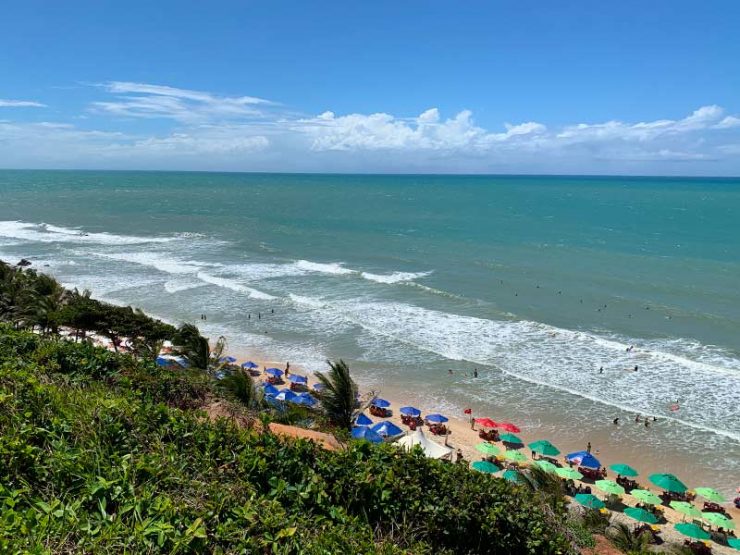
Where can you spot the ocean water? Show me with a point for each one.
(535, 281)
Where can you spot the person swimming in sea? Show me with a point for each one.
(475, 372)
(601, 369)
(616, 421)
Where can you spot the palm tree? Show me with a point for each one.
(339, 397)
(193, 346)
(625, 538)
(241, 386)
(548, 486)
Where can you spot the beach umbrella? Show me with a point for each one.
(509, 427)
(515, 456)
(363, 420)
(513, 476)
(686, 509)
(589, 500)
(547, 466)
(646, 496)
(511, 438)
(363, 432)
(609, 486)
(584, 458)
(285, 395)
(271, 390)
(719, 520)
(734, 542)
(710, 495)
(306, 399)
(436, 418)
(386, 429)
(544, 447)
(486, 422)
(485, 467)
(410, 411)
(380, 403)
(249, 364)
(641, 515)
(569, 473)
(668, 482)
(624, 470)
(488, 448)
(227, 359)
(295, 378)
(274, 372)
(318, 386)
(692, 530)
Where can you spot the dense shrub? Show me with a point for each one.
(89, 465)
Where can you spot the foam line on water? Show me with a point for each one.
(45, 233)
(395, 277)
(560, 359)
(234, 286)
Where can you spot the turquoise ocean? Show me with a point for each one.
(535, 281)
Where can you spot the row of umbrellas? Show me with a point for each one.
(507, 426)
(286, 395)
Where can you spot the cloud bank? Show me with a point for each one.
(201, 130)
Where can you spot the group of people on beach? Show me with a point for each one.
(451, 372)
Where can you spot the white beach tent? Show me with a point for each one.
(431, 449)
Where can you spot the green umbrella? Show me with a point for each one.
(544, 447)
(488, 448)
(589, 500)
(668, 482)
(515, 456)
(692, 530)
(513, 476)
(624, 470)
(609, 486)
(719, 520)
(646, 496)
(686, 509)
(641, 515)
(510, 438)
(710, 495)
(547, 466)
(569, 473)
(734, 542)
(485, 467)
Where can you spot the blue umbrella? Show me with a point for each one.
(381, 403)
(363, 420)
(386, 429)
(286, 395)
(363, 432)
(410, 411)
(274, 372)
(249, 364)
(437, 419)
(318, 386)
(305, 399)
(229, 359)
(584, 458)
(271, 389)
(295, 378)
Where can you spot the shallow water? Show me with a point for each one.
(536, 281)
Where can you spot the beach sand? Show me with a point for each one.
(464, 438)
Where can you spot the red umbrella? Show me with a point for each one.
(487, 422)
(509, 427)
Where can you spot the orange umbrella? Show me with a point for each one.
(487, 422)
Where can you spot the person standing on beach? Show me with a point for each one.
(287, 369)
(616, 421)
(588, 447)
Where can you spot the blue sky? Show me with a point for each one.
(411, 86)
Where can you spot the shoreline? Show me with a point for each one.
(465, 438)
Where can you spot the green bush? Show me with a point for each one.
(94, 458)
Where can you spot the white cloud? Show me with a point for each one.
(143, 100)
(210, 131)
(20, 104)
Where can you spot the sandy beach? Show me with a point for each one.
(465, 438)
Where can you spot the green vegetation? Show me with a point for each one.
(339, 398)
(106, 452)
